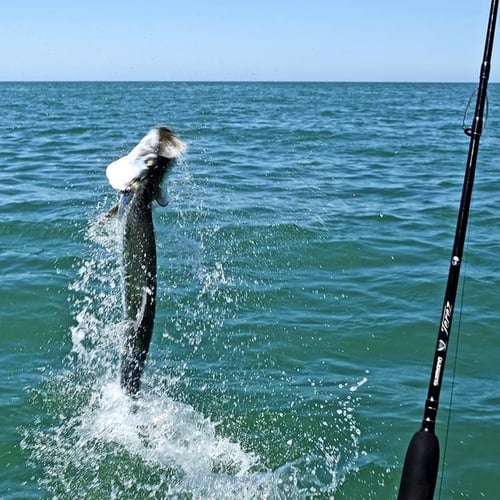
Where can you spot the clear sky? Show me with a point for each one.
(332, 40)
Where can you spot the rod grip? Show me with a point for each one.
(418, 479)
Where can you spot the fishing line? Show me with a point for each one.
(465, 262)
(468, 130)
(454, 368)
(420, 469)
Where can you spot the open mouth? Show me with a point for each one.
(157, 149)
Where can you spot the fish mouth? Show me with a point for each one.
(150, 159)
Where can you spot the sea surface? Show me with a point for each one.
(303, 258)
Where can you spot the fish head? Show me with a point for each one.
(146, 166)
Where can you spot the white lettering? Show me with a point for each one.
(437, 373)
(445, 323)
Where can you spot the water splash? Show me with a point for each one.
(95, 441)
(160, 448)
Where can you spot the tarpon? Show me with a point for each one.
(139, 177)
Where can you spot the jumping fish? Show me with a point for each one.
(138, 177)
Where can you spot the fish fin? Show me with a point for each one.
(112, 213)
(104, 225)
(161, 197)
(109, 216)
(141, 313)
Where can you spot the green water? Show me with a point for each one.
(302, 264)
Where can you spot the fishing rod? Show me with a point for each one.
(418, 479)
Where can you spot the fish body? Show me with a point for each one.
(139, 177)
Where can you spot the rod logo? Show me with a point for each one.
(441, 345)
(446, 321)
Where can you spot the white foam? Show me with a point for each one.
(165, 432)
(194, 460)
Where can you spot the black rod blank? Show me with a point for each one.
(418, 480)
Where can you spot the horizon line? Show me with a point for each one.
(242, 81)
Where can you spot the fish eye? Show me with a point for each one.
(149, 160)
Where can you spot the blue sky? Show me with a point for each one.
(332, 40)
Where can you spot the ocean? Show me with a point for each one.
(302, 262)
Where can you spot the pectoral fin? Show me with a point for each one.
(161, 197)
(112, 213)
